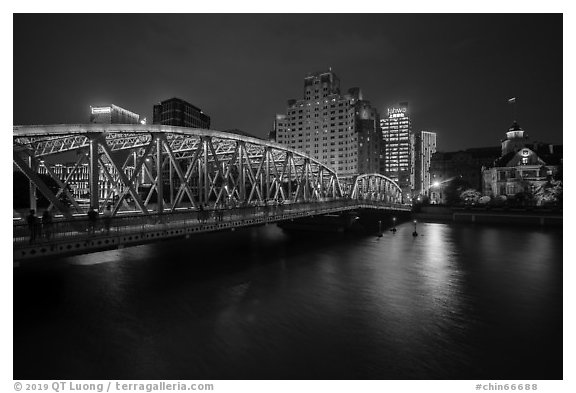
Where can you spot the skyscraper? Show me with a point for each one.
(398, 148)
(425, 146)
(338, 130)
(177, 112)
(112, 114)
(367, 122)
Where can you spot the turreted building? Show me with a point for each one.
(522, 167)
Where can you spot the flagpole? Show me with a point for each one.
(513, 102)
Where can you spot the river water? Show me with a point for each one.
(456, 302)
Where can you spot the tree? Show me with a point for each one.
(453, 190)
(498, 201)
(549, 193)
(470, 196)
(523, 198)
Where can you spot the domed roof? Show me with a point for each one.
(515, 127)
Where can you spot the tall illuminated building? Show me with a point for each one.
(112, 114)
(339, 130)
(398, 156)
(425, 146)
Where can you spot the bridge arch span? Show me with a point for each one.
(158, 168)
(376, 187)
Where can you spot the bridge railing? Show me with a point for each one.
(81, 227)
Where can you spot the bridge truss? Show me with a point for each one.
(159, 169)
(376, 187)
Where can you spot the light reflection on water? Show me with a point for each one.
(454, 302)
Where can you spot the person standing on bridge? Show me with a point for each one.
(275, 207)
(92, 219)
(107, 218)
(32, 221)
(220, 213)
(47, 224)
(203, 213)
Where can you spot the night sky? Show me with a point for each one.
(456, 71)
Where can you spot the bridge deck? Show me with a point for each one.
(76, 237)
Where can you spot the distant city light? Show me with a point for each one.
(393, 111)
(102, 109)
(143, 121)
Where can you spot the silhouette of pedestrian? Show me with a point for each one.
(47, 224)
(32, 221)
(107, 218)
(199, 213)
(92, 218)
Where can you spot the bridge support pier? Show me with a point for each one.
(369, 219)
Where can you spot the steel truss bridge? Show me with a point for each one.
(162, 181)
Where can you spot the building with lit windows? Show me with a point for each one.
(339, 130)
(177, 112)
(112, 114)
(398, 157)
(425, 146)
(77, 178)
(522, 167)
(367, 123)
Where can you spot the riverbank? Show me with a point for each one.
(481, 215)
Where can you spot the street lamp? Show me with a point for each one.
(393, 225)
(439, 185)
(379, 228)
(415, 233)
